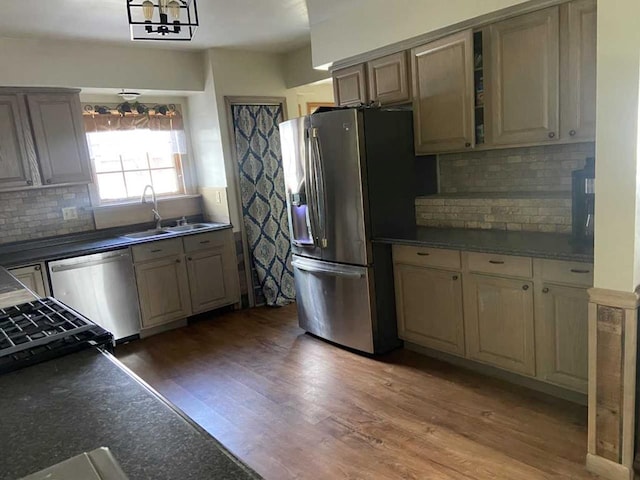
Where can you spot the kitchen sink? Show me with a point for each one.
(188, 228)
(147, 234)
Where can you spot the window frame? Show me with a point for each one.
(187, 170)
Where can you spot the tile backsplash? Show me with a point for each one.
(531, 169)
(37, 213)
(549, 213)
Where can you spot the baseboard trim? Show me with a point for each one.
(527, 382)
(607, 469)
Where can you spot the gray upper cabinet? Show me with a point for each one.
(578, 70)
(523, 79)
(59, 137)
(388, 79)
(15, 167)
(350, 86)
(443, 107)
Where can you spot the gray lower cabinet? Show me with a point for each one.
(562, 335)
(527, 316)
(33, 277)
(499, 324)
(183, 276)
(163, 290)
(429, 305)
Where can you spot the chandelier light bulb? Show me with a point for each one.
(147, 9)
(174, 9)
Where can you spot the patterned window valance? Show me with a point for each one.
(107, 119)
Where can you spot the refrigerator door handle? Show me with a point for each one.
(320, 186)
(328, 269)
(312, 198)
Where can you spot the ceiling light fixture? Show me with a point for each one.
(128, 95)
(149, 19)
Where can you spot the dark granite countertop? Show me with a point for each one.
(528, 244)
(55, 248)
(56, 410)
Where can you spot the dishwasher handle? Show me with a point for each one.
(62, 266)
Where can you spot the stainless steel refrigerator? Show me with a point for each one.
(349, 176)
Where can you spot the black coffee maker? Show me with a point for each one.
(583, 203)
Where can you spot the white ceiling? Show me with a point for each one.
(263, 25)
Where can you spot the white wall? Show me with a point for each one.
(617, 227)
(344, 28)
(242, 73)
(56, 63)
(298, 68)
(316, 92)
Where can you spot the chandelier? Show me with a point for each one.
(162, 19)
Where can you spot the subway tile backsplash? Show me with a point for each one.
(531, 169)
(37, 213)
(550, 213)
(518, 189)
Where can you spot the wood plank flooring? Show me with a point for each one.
(292, 406)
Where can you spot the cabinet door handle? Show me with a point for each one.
(189, 258)
(177, 260)
(37, 268)
(455, 277)
(525, 287)
(572, 133)
(423, 254)
(577, 270)
(468, 144)
(552, 134)
(496, 262)
(48, 181)
(545, 290)
(29, 182)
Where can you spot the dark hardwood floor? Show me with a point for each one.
(293, 406)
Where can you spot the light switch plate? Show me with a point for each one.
(70, 213)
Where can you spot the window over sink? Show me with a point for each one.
(133, 150)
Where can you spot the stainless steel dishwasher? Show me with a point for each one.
(102, 287)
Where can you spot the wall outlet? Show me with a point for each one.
(70, 213)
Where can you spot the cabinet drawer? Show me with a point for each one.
(426, 257)
(205, 241)
(574, 273)
(159, 249)
(499, 264)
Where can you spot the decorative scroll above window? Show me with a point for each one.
(131, 116)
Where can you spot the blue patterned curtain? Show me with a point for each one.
(263, 198)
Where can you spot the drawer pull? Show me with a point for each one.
(496, 262)
(205, 241)
(545, 290)
(422, 254)
(178, 260)
(577, 270)
(525, 287)
(455, 277)
(37, 268)
(156, 250)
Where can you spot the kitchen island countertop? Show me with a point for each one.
(528, 244)
(73, 404)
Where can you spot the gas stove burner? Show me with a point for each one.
(43, 329)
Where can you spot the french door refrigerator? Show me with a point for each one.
(349, 178)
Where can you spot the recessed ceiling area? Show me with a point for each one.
(275, 26)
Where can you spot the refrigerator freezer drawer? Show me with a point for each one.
(334, 302)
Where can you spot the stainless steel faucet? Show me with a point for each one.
(156, 214)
